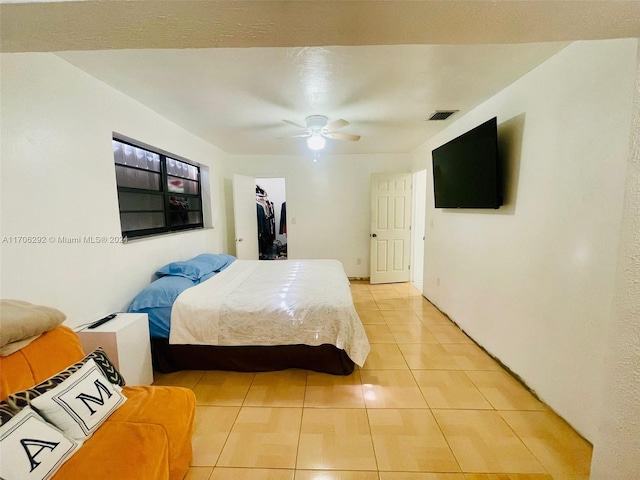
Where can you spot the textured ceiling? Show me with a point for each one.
(237, 99)
(232, 71)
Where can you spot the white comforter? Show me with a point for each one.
(279, 302)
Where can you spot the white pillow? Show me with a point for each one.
(81, 403)
(32, 449)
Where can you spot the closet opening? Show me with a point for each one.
(271, 208)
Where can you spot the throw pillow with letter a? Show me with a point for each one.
(32, 449)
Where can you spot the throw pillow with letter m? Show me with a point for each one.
(81, 403)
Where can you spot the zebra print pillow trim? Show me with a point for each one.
(6, 413)
(19, 400)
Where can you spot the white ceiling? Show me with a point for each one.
(232, 71)
(237, 99)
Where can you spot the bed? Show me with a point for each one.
(218, 313)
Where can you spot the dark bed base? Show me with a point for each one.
(323, 358)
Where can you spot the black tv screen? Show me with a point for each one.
(466, 171)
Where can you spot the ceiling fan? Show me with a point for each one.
(318, 128)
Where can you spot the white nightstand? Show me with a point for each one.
(126, 341)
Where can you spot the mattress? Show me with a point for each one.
(289, 302)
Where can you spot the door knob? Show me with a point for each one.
(239, 239)
(374, 235)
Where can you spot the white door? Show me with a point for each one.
(244, 210)
(390, 227)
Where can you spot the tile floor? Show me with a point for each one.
(427, 405)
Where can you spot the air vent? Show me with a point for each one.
(442, 114)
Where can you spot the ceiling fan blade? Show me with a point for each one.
(335, 125)
(301, 135)
(294, 124)
(343, 136)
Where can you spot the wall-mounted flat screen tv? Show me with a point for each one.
(466, 170)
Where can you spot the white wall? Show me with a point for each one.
(328, 210)
(58, 179)
(615, 454)
(533, 282)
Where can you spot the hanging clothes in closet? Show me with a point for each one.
(266, 223)
(283, 218)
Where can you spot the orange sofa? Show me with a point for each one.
(148, 437)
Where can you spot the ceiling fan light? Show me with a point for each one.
(316, 142)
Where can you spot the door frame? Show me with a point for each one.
(237, 235)
(277, 211)
(418, 227)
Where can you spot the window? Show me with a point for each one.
(157, 193)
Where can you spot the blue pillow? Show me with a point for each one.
(191, 269)
(219, 261)
(161, 292)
